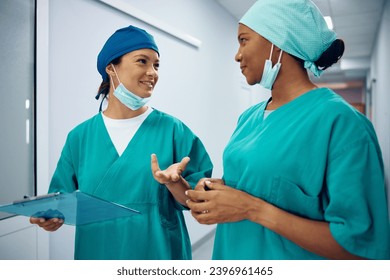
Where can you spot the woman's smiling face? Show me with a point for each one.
(252, 52)
(138, 71)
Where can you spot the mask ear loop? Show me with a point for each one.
(115, 75)
(270, 54)
(112, 84)
(280, 55)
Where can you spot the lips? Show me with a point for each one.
(149, 84)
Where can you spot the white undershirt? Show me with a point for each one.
(267, 113)
(121, 131)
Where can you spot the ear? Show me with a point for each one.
(110, 70)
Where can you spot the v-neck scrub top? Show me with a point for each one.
(315, 157)
(90, 163)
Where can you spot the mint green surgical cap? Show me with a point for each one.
(295, 26)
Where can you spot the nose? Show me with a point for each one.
(152, 71)
(238, 56)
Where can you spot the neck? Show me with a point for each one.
(292, 82)
(116, 110)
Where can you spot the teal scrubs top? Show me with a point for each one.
(315, 157)
(90, 163)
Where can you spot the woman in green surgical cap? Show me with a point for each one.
(109, 156)
(303, 171)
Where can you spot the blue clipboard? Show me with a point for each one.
(76, 208)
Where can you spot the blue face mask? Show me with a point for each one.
(126, 97)
(270, 73)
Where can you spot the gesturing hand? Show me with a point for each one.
(220, 204)
(170, 175)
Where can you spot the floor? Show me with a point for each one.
(203, 249)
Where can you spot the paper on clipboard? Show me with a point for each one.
(76, 208)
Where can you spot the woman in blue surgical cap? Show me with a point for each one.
(109, 156)
(303, 171)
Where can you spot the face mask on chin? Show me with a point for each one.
(270, 73)
(126, 97)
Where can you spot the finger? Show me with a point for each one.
(200, 185)
(203, 218)
(216, 185)
(192, 198)
(183, 164)
(36, 221)
(175, 177)
(53, 227)
(154, 164)
(58, 223)
(196, 207)
(217, 180)
(190, 203)
(197, 196)
(199, 207)
(53, 224)
(161, 175)
(48, 223)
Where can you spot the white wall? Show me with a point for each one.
(201, 86)
(380, 71)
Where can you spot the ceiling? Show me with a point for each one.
(355, 21)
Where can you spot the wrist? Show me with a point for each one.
(180, 182)
(264, 213)
(256, 210)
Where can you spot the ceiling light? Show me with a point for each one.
(333, 85)
(329, 22)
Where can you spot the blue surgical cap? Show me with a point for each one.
(123, 41)
(295, 26)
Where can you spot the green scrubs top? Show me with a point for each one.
(89, 162)
(315, 157)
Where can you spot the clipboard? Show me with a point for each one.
(76, 208)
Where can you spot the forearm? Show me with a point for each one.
(314, 236)
(178, 190)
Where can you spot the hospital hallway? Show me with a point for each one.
(203, 249)
(50, 79)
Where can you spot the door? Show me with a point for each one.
(17, 85)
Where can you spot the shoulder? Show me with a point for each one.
(331, 102)
(167, 121)
(348, 127)
(166, 118)
(339, 112)
(85, 126)
(251, 111)
(254, 108)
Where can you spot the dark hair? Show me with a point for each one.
(104, 87)
(331, 55)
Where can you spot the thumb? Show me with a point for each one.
(183, 163)
(154, 164)
(214, 185)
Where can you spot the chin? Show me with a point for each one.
(251, 82)
(146, 94)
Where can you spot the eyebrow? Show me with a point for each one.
(242, 34)
(145, 56)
